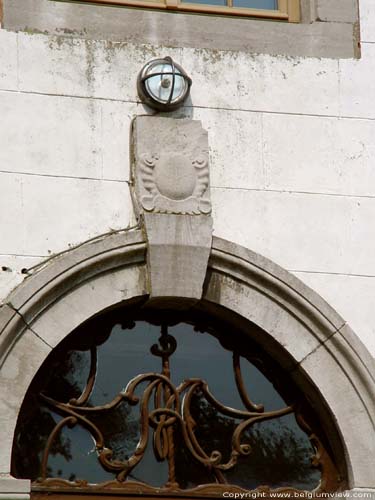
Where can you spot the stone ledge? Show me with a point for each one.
(11, 487)
(14, 496)
(334, 38)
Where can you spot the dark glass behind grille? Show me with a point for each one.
(281, 450)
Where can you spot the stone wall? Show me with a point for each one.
(292, 149)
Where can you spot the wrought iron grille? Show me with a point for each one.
(171, 418)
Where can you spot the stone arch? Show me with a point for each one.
(309, 339)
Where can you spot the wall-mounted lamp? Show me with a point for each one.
(163, 85)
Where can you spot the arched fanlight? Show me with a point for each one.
(163, 85)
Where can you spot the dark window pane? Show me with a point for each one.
(281, 457)
(73, 456)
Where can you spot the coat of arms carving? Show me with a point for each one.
(174, 183)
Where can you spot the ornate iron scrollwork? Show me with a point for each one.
(164, 408)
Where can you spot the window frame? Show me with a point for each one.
(288, 10)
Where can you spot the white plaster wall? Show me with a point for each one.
(292, 155)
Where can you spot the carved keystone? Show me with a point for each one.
(172, 194)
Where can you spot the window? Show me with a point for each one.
(160, 403)
(287, 10)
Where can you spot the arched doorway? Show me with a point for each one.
(168, 402)
(308, 340)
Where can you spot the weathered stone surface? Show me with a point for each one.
(244, 81)
(300, 231)
(8, 60)
(99, 256)
(255, 265)
(14, 496)
(41, 55)
(330, 367)
(357, 85)
(221, 78)
(178, 251)
(252, 303)
(65, 136)
(309, 38)
(87, 300)
(51, 135)
(17, 373)
(319, 158)
(6, 315)
(352, 297)
(67, 211)
(14, 488)
(93, 66)
(344, 12)
(171, 189)
(10, 320)
(337, 391)
(277, 310)
(367, 16)
(13, 270)
(235, 162)
(171, 170)
(116, 122)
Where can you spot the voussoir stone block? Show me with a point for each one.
(331, 369)
(17, 372)
(172, 195)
